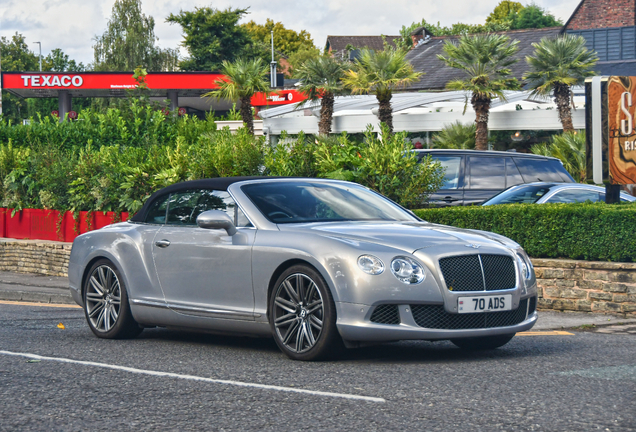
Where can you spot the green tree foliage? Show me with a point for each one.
(129, 41)
(555, 66)
(504, 12)
(456, 136)
(298, 58)
(485, 60)
(406, 43)
(15, 56)
(211, 36)
(533, 16)
(57, 61)
(380, 73)
(243, 78)
(321, 78)
(286, 41)
(569, 147)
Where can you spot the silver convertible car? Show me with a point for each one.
(317, 264)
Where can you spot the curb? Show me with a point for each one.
(36, 297)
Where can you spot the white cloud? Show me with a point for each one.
(72, 24)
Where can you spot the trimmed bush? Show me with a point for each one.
(589, 231)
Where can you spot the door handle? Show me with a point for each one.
(162, 243)
(450, 199)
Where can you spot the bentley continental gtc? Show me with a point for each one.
(316, 264)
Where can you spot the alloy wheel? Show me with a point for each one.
(103, 298)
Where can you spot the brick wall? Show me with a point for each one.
(593, 14)
(586, 286)
(34, 256)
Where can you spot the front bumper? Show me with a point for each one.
(354, 325)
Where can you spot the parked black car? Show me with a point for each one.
(473, 176)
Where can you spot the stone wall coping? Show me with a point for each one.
(39, 243)
(573, 264)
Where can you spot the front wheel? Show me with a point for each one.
(106, 303)
(484, 342)
(303, 315)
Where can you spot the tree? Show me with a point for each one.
(504, 12)
(57, 61)
(455, 136)
(286, 41)
(533, 16)
(211, 37)
(301, 56)
(243, 78)
(321, 78)
(15, 56)
(379, 73)
(129, 41)
(485, 60)
(557, 64)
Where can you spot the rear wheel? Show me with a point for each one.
(106, 303)
(484, 342)
(303, 315)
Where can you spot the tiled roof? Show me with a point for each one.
(339, 43)
(437, 74)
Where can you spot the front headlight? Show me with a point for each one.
(407, 270)
(370, 264)
(526, 265)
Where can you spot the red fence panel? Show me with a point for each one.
(19, 226)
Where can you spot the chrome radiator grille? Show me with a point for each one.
(478, 272)
(435, 317)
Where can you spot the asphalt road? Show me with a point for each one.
(584, 381)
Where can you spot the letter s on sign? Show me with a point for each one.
(77, 81)
(66, 81)
(627, 125)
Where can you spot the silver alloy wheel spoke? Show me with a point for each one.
(298, 313)
(103, 298)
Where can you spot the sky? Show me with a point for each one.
(73, 24)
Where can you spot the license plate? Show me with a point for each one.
(484, 303)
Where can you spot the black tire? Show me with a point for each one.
(103, 288)
(294, 320)
(484, 342)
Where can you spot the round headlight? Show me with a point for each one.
(526, 266)
(370, 264)
(407, 270)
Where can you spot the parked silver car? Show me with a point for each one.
(317, 264)
(545, 192)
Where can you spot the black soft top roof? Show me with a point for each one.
(219, 183)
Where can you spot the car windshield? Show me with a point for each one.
(301, 202)
(526, 194)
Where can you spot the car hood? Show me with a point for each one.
(407, 236)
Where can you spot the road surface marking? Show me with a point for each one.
(54, 305)
(610, 372)
(545, 333)
(194, 378)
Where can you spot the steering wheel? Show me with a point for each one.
(280, 213)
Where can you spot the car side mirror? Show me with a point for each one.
(216, 219)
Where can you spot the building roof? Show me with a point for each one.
(437, 74)
(338, 44)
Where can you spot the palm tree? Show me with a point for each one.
(486, 61)
(556, 65)
(381, 72)
(243, 78)
(569, 147)
(455, 136)
(321, 78)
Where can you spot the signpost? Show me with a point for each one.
(610, 103)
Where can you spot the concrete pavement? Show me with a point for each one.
(28, 287)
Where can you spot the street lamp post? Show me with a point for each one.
(40, 56)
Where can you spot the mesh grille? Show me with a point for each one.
(533, 305)
(386, 314)
(499, 272)
(464, 272)
(435, 317)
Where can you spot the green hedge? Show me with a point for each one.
(589, 231)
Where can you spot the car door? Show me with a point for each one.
(486, 178)
(452, 191)
(204, 272)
